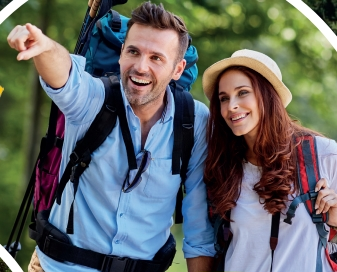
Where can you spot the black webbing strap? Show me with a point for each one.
(100, 128)
(76, 172)
(222, 235)
(94, 137)
(123, 122)
(222, 238)
(52, 124)
(105, 263)
(275, 225)
(49, 140)
(183, 127)
(177, 129)
(116, 22)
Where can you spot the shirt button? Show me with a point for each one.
(117, 242)
(121, 214)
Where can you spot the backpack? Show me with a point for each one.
(102, 37)
(308, 175)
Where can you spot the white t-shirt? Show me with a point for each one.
(297, 244)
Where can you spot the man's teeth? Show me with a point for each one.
(239, 117)
(142, 81)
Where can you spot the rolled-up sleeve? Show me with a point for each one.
(81, 97)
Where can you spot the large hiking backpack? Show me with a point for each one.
(308, 176)
(44, 181)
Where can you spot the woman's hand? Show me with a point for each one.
(326, 201)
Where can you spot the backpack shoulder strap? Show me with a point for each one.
(308, 175)
(183, 126)
(95, 135)
(99, 130)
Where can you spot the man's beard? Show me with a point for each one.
(137, 100)
(152, 95)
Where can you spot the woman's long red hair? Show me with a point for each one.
(274, 148)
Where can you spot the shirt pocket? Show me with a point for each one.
(161, 183)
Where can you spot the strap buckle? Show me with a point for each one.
(317, 218)
(313, 195)
(114, 263)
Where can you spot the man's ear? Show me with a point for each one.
(121, 53)
(179, 69)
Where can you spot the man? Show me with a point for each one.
(106, 219)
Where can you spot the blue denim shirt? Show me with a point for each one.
(134, 224)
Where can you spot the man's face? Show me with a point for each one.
(148, 63)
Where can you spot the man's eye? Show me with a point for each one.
(156, 58)
(133, 52)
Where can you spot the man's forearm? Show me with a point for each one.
(51, 59)
(200, 264)
(54, 65)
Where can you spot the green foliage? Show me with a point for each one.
(218, 28)
(4, 267)
(327, 10)
(4, 3)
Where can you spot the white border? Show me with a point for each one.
(316, 20)
(10, 8)
(9, 260)
(298, 4)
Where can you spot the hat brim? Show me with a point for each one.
(211, 74)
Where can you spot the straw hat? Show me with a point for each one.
(257, 61)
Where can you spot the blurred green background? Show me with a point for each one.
(218, 28)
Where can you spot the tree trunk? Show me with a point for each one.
(32, 135)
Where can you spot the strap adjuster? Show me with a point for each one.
(48, 247)
(187, 126)
(58, 142)
(74, 158)
(114, 263)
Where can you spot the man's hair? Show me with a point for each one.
(156, 16)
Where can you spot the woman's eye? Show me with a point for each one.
(243, 92)
(223, 99)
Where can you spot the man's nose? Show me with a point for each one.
(142, 65)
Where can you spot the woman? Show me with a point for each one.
(251, 166)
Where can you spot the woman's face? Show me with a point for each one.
(238, 102)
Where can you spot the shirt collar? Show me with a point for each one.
(168, 111)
